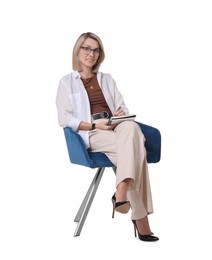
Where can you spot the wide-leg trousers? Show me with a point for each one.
(124, 146)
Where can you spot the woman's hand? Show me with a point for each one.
(103, 125)
(119, 112)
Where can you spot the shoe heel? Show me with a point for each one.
(135, 229)
(114, 205)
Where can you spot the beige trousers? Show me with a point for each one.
(124, 146)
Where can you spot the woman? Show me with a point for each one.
(86, 98)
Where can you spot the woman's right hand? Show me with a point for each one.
(103, 125)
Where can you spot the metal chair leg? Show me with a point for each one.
(114, 169)
(87, 201)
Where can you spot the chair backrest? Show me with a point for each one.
(78, 154)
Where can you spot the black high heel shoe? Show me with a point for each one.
(121, 207)
(147, 238)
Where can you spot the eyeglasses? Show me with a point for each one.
(88, 50)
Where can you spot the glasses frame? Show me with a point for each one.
(88, 50)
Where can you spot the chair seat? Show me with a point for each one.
(98, 159)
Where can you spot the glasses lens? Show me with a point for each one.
(88, 50)
(96, 51)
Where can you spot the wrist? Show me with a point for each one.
(93, 126)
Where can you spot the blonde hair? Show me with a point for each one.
(78, 45)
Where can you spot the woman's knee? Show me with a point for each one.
(131, 127)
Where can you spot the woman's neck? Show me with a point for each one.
(86, 74)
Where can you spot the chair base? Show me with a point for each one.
(87, 201)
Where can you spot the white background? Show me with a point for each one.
(159, 53)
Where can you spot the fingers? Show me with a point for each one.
(103, 125)
(119, 113)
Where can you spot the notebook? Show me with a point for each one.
(118, 119)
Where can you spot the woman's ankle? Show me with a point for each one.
(143, 226)
(121, 192)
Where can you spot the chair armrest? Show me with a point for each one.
(78, 153)
(152, 143)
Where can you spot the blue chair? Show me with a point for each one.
(78, 154)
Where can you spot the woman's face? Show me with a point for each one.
(89, 53)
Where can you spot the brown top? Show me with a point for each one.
(97, 100)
